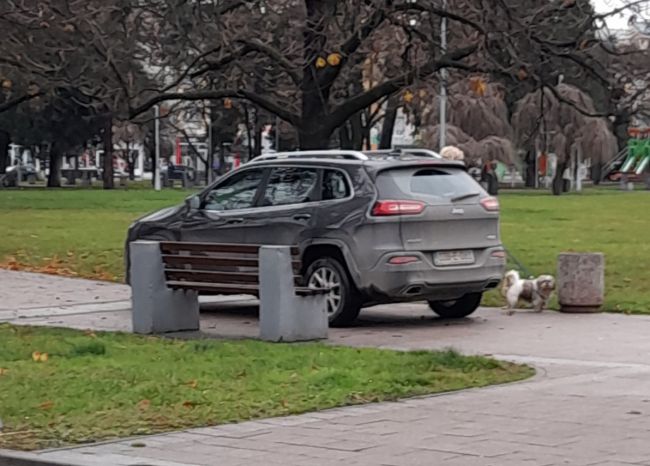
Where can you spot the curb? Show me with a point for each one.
(10, 458)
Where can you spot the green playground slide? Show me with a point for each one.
(638, 157)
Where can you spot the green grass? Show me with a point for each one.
(81, 232)
(73, 231)
(98, 386)
(536, 227)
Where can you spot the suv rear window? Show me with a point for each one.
(414, 183)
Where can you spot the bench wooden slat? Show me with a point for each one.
(172, 259)
(302, 291)
(210, 276)
(168, 247)
(229, 288)
(223, 288)
(206, 261)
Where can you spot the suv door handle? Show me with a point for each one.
(234, 221)
(302, 216)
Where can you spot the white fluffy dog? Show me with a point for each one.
(534, 291)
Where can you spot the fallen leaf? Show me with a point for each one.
(44, 357)
(192, 384)
(46, 405)
(3, 371)
(36, 356)
(188, 404)
(144, 405)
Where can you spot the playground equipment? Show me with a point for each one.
(633, 161)
(638, 156)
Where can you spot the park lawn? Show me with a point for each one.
(107, 385)
(536, 227)
(73, 231)
(81, 232)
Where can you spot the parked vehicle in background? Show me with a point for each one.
(372, 228)
(19, 173)
(183, 173)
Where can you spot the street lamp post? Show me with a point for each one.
(156, 159)
(210, 149)
(443, 79)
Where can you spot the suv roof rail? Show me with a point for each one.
(314, 154)
(402, 151)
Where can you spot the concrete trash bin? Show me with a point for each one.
(581, 281)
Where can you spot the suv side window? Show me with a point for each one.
(335, 185)
(291, 185)
(237, 192)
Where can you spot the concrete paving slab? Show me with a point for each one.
(589, 403)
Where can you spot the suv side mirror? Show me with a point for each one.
(193, 202)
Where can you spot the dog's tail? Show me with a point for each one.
(509, 279)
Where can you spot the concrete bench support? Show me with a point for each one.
(156, 308)
(283, 315)
(581, 282)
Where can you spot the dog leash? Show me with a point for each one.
(519, 265)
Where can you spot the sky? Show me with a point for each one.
(618, 21)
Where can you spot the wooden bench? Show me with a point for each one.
(167, 278)
(221, 269)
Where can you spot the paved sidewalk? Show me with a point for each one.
(588, 405)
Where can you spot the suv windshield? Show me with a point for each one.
(443, 184)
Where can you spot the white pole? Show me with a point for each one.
(443, 78)
(578, 171)
(156, 160)
(210, 151)
(277, 134)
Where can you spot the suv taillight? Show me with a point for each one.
(491, 204)
(387, 208)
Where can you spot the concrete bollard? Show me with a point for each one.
(285, 317)
(581, 282)
(156, 308)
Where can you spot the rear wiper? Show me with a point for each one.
(464, 196)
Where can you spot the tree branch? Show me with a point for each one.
(266, 104)
(351, 106)
(19, 100)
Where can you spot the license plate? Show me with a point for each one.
(445, 258)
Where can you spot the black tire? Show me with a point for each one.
(344, 304)
(458, 308)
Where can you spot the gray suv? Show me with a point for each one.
(372, 227)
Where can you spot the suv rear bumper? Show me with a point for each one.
(423, 280)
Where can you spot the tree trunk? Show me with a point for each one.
(530, 171)
(344, 137)
(558, 179)
(109, 182)
(314, 131)
(357, 131)
(131, 160)
(54, 177)
(309, 139)
(596, 172)
(387, 128)
(249, 135)
(258, 135)
(5, 140)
